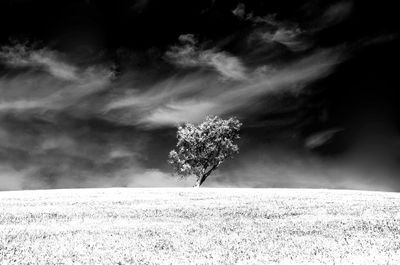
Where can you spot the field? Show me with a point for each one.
(199, 226)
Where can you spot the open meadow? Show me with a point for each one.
(199, 226)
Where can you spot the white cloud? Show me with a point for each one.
(187, 38)
(189, 55)
(192, 97)
(228, 66)
(22, 104)
(336, 13)
(240, 11)
(179, 112)
(168, 102)
(285, 33)
(288, 37)
(320, 138)
(289, 34)
(22, 56)
(59, 86)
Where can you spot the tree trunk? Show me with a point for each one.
(202, 178)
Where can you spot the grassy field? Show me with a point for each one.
(199, 226)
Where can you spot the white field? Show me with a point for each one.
(199, 226)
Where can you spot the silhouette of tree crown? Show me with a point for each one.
(202, 148)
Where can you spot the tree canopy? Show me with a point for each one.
(202, 148)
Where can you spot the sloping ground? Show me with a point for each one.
(199, 226)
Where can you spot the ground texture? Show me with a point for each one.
(199, 226)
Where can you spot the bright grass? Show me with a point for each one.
(199, 226)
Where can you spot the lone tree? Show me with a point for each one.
(202, 148)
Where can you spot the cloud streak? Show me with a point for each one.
(336, 13)
(195, 95)
(187, 54)
(20, 55)
(58, 84)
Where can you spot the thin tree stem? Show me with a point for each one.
(205, 175)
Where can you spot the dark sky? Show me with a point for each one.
(91, 92)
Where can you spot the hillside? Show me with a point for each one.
(199, 226)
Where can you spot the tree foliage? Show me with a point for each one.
(202, 148)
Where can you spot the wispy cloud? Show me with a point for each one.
(43, 144)
(240, 11)
(188, 54)
(21, 55)
(236, 83)
(270, 30)
(67, 152)
(320, 138)
(286, 36)
(58, 85)
(336, 13)
(190, 98)
(290, 34)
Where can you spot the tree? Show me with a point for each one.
(201, 149)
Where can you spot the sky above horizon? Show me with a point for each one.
(91, 92)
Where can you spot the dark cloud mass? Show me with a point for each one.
(91, 92)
